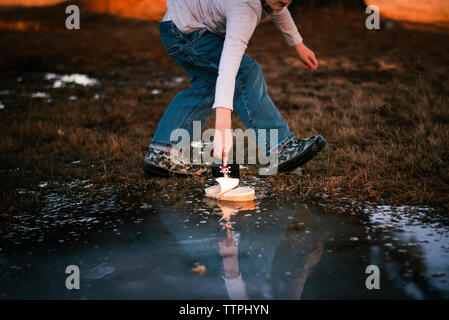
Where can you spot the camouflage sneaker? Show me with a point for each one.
(296, 153)
(158, 162)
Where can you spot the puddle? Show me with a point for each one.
(42, 95)
(191, 247)
(60, 81)
(406, 232)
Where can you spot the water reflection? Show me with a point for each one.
(262, 254)
(190, 247)
(229, 252)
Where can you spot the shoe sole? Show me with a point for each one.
(154, 170)
(303, 157)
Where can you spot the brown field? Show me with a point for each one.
(380, 98)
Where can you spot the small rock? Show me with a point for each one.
(199, 269)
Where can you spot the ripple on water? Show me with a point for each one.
(98, 272)
(69, 209)
(413, 226)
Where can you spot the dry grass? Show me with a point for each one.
(380, 98)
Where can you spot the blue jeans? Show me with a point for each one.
(198, 53)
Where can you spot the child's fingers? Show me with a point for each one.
(309, 63)
(307, 66)
(315, 62)
(312, 64)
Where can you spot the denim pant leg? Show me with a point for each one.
(199, 54)
(255, 107)
(194, 103)
(251, 100)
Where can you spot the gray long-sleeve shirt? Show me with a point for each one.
(237, 19)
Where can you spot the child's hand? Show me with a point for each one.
(307, 56)
(223, 134)
(314, 256)
(228, 248)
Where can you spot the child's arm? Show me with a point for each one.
(284, 22)
(223, 135)
(241, 22)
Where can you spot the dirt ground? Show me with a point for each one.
(379, 97)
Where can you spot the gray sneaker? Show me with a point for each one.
(296, 153)
(158, 162)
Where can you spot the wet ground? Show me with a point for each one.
(191, 247)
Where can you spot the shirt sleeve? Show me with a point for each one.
(241, 22)
(236, 288)
(284, 22)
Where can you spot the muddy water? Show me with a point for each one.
(191, 247)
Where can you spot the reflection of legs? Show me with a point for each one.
(295, 256)
(254, 106)
(296, 286)
(194, 103)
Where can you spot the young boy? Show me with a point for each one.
(208, 39)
